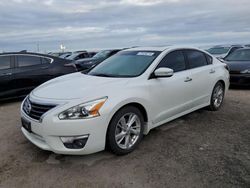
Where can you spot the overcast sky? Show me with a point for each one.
(96, 24)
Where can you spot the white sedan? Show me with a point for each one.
(122, 99)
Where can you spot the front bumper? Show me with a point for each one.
(240, 79)
(46, 134)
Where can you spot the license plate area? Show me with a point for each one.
(27, 125)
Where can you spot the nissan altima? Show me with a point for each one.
(120, 100)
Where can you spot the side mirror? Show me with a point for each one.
(163, 72)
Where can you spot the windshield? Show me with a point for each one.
(239, 55)
(73, 56)
(102, 54)
(125, 64)
(65, 55)
(218, 50)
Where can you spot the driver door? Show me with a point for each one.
(171, 95)
(7, 84)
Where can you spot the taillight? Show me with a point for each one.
(221, 60)
(226, 67)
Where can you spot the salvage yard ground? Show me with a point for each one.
(202, 149)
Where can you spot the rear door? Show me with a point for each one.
(202, 74)
(30, 71)
(6, 77)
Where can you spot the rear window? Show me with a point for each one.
(4, 62)
(196, 58)
(24, 61)
(209, 59)
(45, 60)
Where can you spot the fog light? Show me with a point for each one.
(74, 142)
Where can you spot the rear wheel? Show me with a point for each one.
(125, 130)
(217, 97)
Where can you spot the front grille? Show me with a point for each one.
(35, 110)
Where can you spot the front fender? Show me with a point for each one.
(128, 101)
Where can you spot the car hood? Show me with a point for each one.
(219, 55)
(78, 85)
(238, 65)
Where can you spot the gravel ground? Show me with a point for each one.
(202, 149)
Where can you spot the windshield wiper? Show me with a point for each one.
(101, 74)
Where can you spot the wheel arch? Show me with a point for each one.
(136, 104)
(220, 80)
(139, 106)
(223, 83)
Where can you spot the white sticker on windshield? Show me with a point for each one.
(146, 53)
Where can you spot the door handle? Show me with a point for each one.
(188, 79)
(212, 71)
(44, 67)
(6, 74)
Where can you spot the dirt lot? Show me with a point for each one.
(202, 149)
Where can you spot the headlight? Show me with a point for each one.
(83, 111)
(247, 71)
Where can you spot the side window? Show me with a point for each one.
(77, 57)
(209, 59)
(80, 56)
(83, 55)
(24, 60)
(4, 62)
(196, 58)
(86, 55)
(45, 60)
(174, 60)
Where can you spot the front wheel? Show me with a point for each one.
(217, 97)
(125, 130)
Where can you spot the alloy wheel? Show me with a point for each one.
(218, 96)
(127, 131)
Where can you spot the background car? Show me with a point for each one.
(88, 63)
(223, 51)
(239, 66)
(57, 54)
(65, 55)
(78, 55)
(21, 72)
(91, 53)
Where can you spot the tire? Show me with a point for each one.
(121, 137)
(217, 97)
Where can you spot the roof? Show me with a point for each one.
(245, 48)
(27, 53)
(161, 48)
(227, 46)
